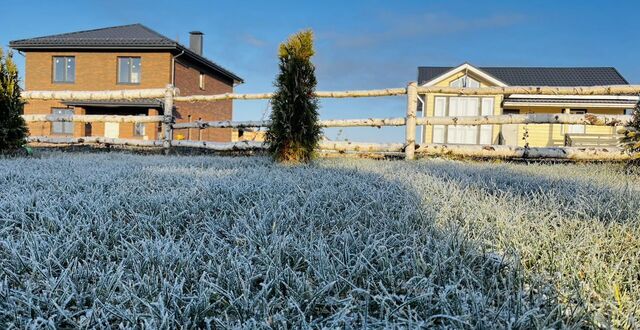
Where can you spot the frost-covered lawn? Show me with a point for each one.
(112, 239)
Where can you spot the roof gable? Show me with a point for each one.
(133, 36)
(466, 67)
(539, 76)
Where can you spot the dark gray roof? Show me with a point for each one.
(134, 36)
(144, 103)
(539, 76)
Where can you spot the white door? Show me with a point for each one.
(112, 130)
(510, 131)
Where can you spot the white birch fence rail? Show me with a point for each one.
(409, 148)
(93, 118)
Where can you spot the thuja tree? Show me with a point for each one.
(294, 131)
(631, 135)
(13, 130)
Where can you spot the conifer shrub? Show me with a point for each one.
(294, 132)
(631, 135)
(13, 129)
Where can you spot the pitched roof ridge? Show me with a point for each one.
(155, 32)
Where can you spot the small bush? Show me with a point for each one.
(294, 131)
(13, 130)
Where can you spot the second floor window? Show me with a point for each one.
(64, 69)
(129, 70)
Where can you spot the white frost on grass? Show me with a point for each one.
(112, 239)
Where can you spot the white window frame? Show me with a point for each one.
(465, 81)
(440, 133)
(201, 79)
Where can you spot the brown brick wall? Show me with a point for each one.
(187, 77)
(96, 70)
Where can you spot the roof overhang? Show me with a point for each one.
(465, 67)
(88, 47)
(138, 103)
(172, 48)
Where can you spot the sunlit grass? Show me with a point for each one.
(103, 240)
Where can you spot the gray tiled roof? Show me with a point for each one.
(539, 76)
(134, 36)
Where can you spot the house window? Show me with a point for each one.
(201, 81)
(459, 107)
(139, 129)
(129, 69)
(62, 127)
(465, 81)
(64, 69)
(628, 112)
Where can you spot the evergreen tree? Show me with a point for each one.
(13, 129)
(631, 134)
(294, 132)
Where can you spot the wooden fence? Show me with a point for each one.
(408, 148)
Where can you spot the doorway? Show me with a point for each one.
(112, 130)
(510, 131)
(576, 129)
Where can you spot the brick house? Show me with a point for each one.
(117, 58)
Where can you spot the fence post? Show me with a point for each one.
(168, 117)
(412, 104)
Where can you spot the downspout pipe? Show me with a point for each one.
(173, 68)
(424, 113)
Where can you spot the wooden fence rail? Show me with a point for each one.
(160, 93)
(497, 151)
(95, 95)
(550, 118)
(170, 95)
(94, 140)
(93, 118)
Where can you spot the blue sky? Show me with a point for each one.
(362, 44)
